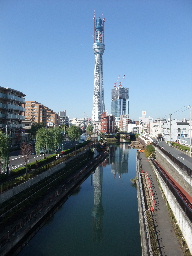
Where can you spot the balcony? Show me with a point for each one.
(3, 105)
(15, 116)
(15, 126)
(3, 95)
(15, 107)
(2, 115)
(16, 98)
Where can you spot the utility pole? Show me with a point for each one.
(6, 151)
(170, 127)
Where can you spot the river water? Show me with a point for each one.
(100, 218)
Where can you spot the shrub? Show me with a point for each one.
(150, 150)
(180, 146)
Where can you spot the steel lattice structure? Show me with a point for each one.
(98, 47)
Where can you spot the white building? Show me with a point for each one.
(171, 130)
(145, 123)
(175, 130)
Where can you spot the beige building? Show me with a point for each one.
(38, 113)
(12, 111)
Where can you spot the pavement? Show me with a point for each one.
(168, 242)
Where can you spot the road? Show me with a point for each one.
(182, 157)
(17, 159)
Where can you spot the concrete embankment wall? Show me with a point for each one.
(185, 181)
(182, 220)
(33, 223)
(14, 191)
(178, 174)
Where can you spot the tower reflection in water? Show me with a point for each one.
(98, 210)
(118, 158)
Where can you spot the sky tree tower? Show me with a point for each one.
(98, 47)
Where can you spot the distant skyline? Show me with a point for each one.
(46, 52)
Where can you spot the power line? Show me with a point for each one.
(181, 110)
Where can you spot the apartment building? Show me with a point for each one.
(38, 113)
(107, 123)
(171, 130)
(12, 111)
(63, 118)
(145, 123)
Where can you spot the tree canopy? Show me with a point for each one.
(35, 127)
(89, 129)
(48, 139)
(74, 132)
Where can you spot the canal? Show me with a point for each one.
(100, 218)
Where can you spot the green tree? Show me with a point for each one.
(44, 140)
(48, 139)
(34, 128)
(4, 151)
(57, 137)
(89, 129)
(74, 132)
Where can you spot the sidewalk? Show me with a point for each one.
(169, 244)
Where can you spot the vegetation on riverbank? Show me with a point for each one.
(22, 174)
(150, 151)
(180, 146)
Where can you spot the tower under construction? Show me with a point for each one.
(120, 100)
(98, 47)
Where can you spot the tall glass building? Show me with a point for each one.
(119, 103)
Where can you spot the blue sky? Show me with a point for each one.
(46, 52)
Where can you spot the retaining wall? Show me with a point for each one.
(183, 221)
(19, 188)
(177, 173)
(34, 223)
(16, 190)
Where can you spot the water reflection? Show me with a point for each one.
(118, 159)
(101, 218)
(98, 211)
